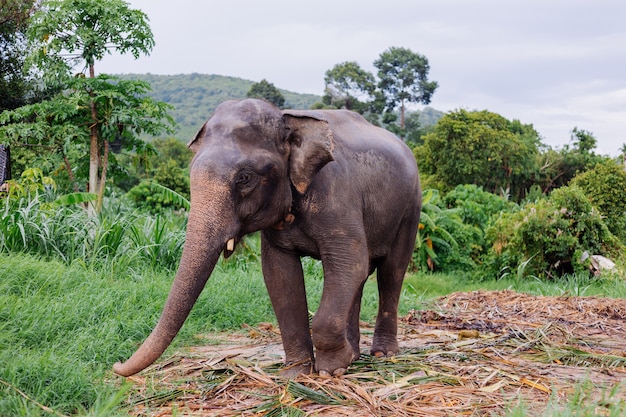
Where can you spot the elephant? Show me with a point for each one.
(320, 183)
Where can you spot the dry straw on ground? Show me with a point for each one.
(470, 354)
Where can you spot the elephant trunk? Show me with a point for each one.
(208, 232)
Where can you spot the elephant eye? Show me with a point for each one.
(244, 177)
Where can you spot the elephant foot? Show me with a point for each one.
(292, 370)
(336, 373)
(380, 350)
(335, 362)
(381, 354)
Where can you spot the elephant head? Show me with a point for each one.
(249, 159)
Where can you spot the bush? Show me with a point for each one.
(476, 206)
(155, 198)
(550, 235)
(605, 186)
(477, 210)
(443, 241)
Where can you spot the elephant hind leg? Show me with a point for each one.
(390, 274)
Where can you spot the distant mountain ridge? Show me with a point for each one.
(195, 96)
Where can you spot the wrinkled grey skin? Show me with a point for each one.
(322, 183)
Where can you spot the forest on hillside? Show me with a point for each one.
(195, 96)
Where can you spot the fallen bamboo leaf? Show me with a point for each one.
(536, 385)
(495, 387)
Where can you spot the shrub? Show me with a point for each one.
(443, 241)
(156, 198)
(477, 210)
(550, 235)
(476, 206)
(605, 186)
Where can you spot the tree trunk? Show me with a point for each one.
(94, 148)
(68, 168)
(103, 175)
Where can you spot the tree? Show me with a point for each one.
(266, 91)
(482, 148)
(62, 123)
(14, 82)
(558, 167)
(403, 76)
(605, 186)
(71, 33)
(583, 141)
(348, 86)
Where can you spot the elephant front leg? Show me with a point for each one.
(334, 326)
(284, 280)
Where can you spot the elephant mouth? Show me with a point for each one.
(229, 248)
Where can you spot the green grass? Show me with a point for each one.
(62, 325)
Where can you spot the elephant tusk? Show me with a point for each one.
(230, 245)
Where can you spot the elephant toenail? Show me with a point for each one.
(339, 371)
(324, 374)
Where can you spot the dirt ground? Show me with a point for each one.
(469, 354)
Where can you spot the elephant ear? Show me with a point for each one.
(312, 146)
(196, 142)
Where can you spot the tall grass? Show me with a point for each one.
(118, 235)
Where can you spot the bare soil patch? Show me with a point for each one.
(478, 353)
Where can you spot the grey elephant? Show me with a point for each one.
(319, 183)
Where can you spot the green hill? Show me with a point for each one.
(195, 96)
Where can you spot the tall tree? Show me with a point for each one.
(349, 86)
(70, 34)
(62, 123)
(560, 166)
(266, 91)
(481, 148)
(403, 76)
(14, 81)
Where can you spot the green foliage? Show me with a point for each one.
(481, 148)
(436, 245)
(476, 206)
(61, 124)
(31, 183)
(550, 235)
(42, 223)
(265, 90)
(167, 173)
(559, 167)
(348, 86)
(403, 79)
(68, 33)
(84, 31)
(605, 186)
(75, 198)
(477, 209)
(154, 197)
(15, 84)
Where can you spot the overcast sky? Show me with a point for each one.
(555, 64)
